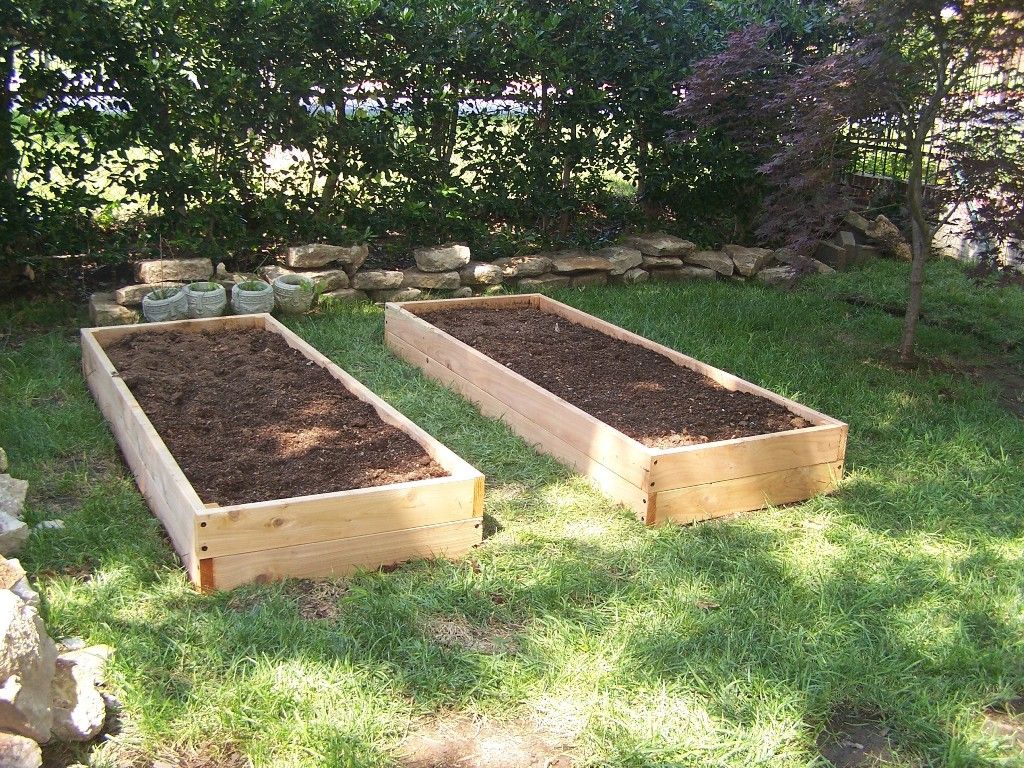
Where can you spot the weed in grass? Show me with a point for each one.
(726, 643)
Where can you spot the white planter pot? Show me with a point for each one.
(293, 294)
(250, 299)
(164, 304)
(205, 299)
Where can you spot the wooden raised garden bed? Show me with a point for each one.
(306, 535)
(802, 456)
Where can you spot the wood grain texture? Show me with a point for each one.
(340, 557)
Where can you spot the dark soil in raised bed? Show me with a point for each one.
(249, 419)
(636, 390)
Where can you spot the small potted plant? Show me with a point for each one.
(162, 304)
(252, 296)
(205, 299)
(294, 294)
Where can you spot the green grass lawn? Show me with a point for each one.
(900, 598)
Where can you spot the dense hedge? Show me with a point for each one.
(437, 118)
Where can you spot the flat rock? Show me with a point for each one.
(480, 273)
(131, 295)
(416, 278)
(173, 270)
(543, 282)
(19, 752)
(777, 275)
(716, 260)
(621, 257)
(11, 572)
(27, 659)
(524, 266)
(377, 280)
(323, 280)
(633, 276)
(399, 294)
(4, 464)
(463, 293)
(78, 708)
(441, 258)
(12, 495)
(588, 279)
(104, 310)
(347, 295)
(13, 534)
(313, 255)
(563, 262)
(660, 244)
(683, 273)
(661, 262)
(748, 261)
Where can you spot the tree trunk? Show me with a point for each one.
(922, 245)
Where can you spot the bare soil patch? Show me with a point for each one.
(462, 742)
(1006, 721)
(457, 632)
(634, 389)
(250, 419)
(854, 739)
(317, 600)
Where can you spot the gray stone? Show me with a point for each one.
(683, 273)
(377, 280)
(12, 495)
(350, 257)
(748, 261)
(345, 295)
(463, 293)
(634, 276)
(524, 266)
(49, 525)
(622, 258)
(4, 464)
(777, 275)
(660, 244)
(71, 644)
(491, 290)
(563, 262)
(662, 262)
(11, 572)
(78, 708)
(415, 278)
(27, 659)
(889, 239)
(479, 273)
(399, 294)
(131, 295)
(19, 752)
(323, 280)
(716, 260)
(589, 278)
(442, 258)
(13, 534)
(543, 282)
(104, 310)
(173, 270)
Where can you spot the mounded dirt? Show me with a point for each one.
(636, 390)
(250, 419)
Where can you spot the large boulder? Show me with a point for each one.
(524, 266)
(442, 258)
(660, 244)
(480, 273)
(416, 278)
(313, 255)
(78, 707)
(621, 257)
(131, 295)
(104, 310)
(19, 752)
(716, 260)
(748, 261)
(563, 262)
(27, 664)
(377, 280)
(173, 270)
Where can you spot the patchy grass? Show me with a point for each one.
(727, 643)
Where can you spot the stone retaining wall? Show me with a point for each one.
(449, 270)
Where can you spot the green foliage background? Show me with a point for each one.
(125, 121)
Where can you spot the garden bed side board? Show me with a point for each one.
(327, 534)
(684, 484)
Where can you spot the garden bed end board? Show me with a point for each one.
(321, 535)
(682, 484)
